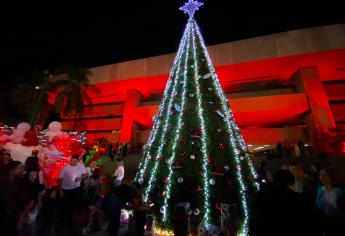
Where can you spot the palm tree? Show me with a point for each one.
(72, 91)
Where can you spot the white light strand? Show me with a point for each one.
(204, 151)
(171, 160)
(228, 119)
(174, 74)
(162, 141)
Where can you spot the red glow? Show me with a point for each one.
(262, 111)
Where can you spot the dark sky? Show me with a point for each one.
(93, 34)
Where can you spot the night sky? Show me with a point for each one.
(90, 35)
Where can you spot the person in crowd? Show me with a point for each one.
(27, 221)
(303, 183)
(301, 147)
(48, 217)
(279, 150)
(12, 200)
(92, 189)
(92, 166)
(32, 164)
(70, 178)
(140, 210)
(108, 149)
(264, 173)
(180, 221)
(6, 163)
(119, 151)
(315, 172)
(119, 173)
(114, 151)
(97, 223)
(277, 210)
(124, 150)
(330, 200)
(30, 187)
(286, 147)
(111, 206)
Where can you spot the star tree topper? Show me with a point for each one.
(190, 7)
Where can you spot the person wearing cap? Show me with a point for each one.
(70, 178)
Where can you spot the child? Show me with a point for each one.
(27, 222)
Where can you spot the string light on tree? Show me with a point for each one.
(180, 152)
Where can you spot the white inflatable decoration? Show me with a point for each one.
(20, 152)
(54, 130)
(18, 134)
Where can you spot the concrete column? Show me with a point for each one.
(128, 128)
(319, 119)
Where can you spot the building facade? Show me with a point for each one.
(285, 86)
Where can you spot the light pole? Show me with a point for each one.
(40, 97)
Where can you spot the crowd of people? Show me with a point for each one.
(292, 201)
(78, 203)
(298, 202)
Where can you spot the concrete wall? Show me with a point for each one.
(270, 46)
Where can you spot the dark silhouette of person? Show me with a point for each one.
(301, 147)
(111, 206)
(277, 210)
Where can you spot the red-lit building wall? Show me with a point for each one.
(290, 97)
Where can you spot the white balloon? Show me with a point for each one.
(54, 130)
(20, 152)
(18, 133)
(55, 126)
(23, 127)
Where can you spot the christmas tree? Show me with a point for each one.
(195, 152)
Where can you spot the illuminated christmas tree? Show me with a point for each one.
(195, 152)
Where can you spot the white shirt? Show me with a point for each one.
(327, 201)
(89, 171)
(119, 173)
(69, 173)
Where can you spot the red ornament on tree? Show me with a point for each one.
(218, 171)
(209, 160)
(198, 189)
(196, 133)
(165, 180)
(221, 146)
